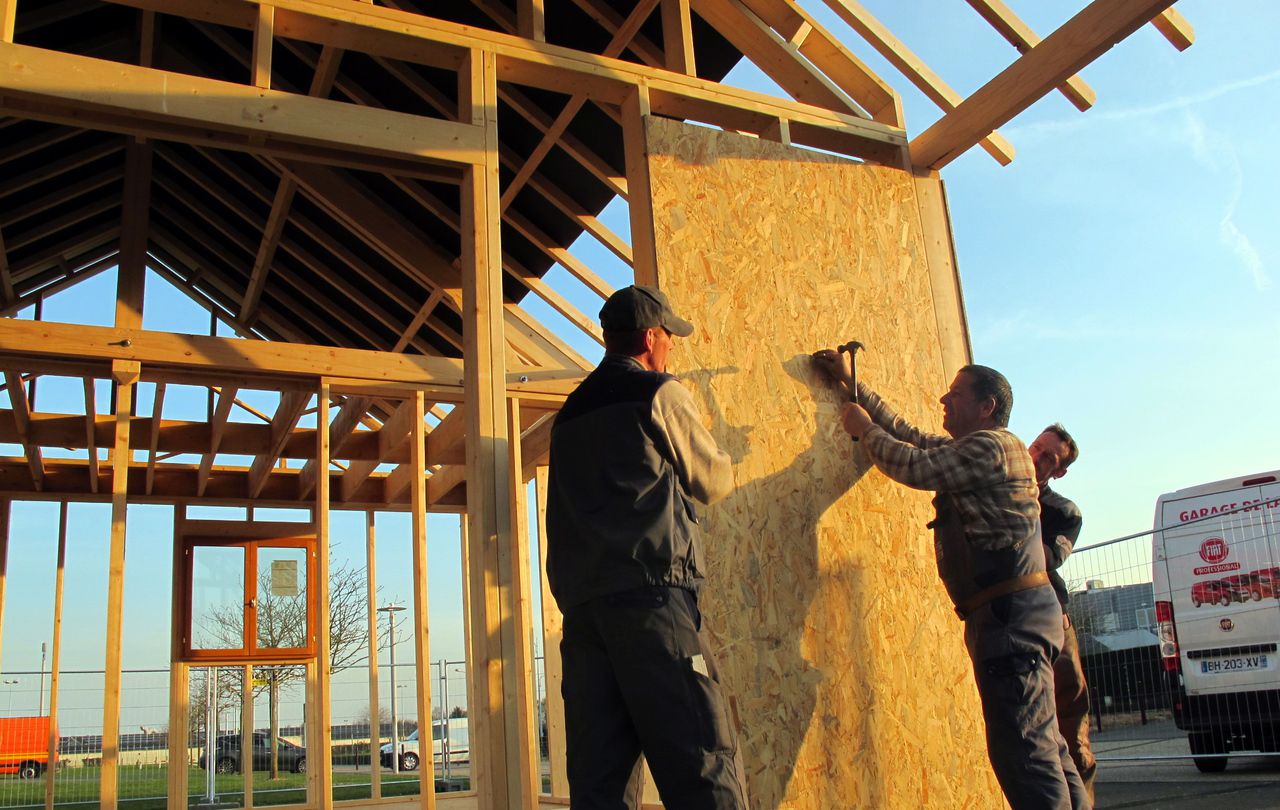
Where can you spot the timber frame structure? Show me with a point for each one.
(364, 193)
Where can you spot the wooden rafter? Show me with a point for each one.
(63, 195)
(326, 71)
(51, 171)
(22, 421)
(562, 121)
(217, 426)
(7, 294)
(48, 288)
(1010, 26)
(75, 244)
(292, 404)
(1079, 41)
(677, 37)
(1175, 28)
(913, 68)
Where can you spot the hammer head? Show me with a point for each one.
(851, 347)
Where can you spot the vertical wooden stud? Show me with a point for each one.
(500, 772)
(8, 17)
(135, 222)
(644, 254)
(375, 714)
(552, 632)
(246, 729)
(125, 374)
(531, 20)
(321, 739)
(944, 274)
(518, 642)
(179, 672)
(421, 627)
(263, 37)
(677, 37)
(55, 668)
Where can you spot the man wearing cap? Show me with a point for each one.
(629, 456)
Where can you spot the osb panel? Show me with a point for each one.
(843, 657)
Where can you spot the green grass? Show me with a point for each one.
(145, 788)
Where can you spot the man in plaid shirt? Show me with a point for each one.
(991, 560)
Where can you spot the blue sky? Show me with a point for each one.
(1121, 272)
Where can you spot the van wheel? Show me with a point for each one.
(409, 762)
(28, 770)
(1256, 594)
(1202, 744)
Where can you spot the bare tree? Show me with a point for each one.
(282, 623)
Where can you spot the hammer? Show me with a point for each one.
(852, 348)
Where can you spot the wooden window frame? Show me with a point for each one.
(250, 652)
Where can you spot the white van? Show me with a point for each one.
(456, 743)
(1216, 576)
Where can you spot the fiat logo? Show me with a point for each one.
(1213, 550)
(1227, 625)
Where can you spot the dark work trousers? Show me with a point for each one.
(1072, 697)
(1013, 642)
(639, 676)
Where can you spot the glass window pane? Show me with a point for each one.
(217, 598)
(282, 597)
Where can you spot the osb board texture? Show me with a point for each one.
(838, 645)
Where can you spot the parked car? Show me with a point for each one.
(1210, 592)
(226, 757)
(458, 744)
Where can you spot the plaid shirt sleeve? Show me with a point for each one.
(968, 463)
(888, 419)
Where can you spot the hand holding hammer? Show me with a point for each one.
(855, 419)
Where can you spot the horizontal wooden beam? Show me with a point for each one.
(380, 31)
(1175, 28)
(227, 356)
(177, 106)
(1063, 53)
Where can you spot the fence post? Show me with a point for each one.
(1097, 710)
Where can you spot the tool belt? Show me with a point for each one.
(987, 595)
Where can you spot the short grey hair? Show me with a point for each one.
(991, 384)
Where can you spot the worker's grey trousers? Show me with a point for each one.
(639, 675)
(1012, 643)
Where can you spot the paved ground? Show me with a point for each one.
(1166, 779)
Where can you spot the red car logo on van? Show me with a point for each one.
(1214, 550)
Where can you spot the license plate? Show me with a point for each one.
(1241, 663)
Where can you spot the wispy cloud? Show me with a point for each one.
(1217, 153)
(1076, 122)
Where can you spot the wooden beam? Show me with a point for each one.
(825, 50)
(47, 290)
(7, 294)
(1175, 28)
(321, 696)
(91, 421)
(498, 768)
(217, 425)
(532, 20)
(263, 39)
(1010, 26)
(677, 37)
(517, 625)
(1079, 41)
(414, 415)
(271, 234)
(576, 102)
(6, 515)
(634, 112)
(8, 17)
(287, 415)
(22, 418)
(55, 668)
(779, 59)
(175, 106)
(135, 221)
(125, 374)
(157, 417)
(552, 633)
(913, 68)
(232, 356)
(371, 625)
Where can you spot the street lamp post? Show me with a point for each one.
(44, 649)
(391, 610)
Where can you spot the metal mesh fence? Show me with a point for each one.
(1178, 632)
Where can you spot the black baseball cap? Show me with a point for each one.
(637, 307)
